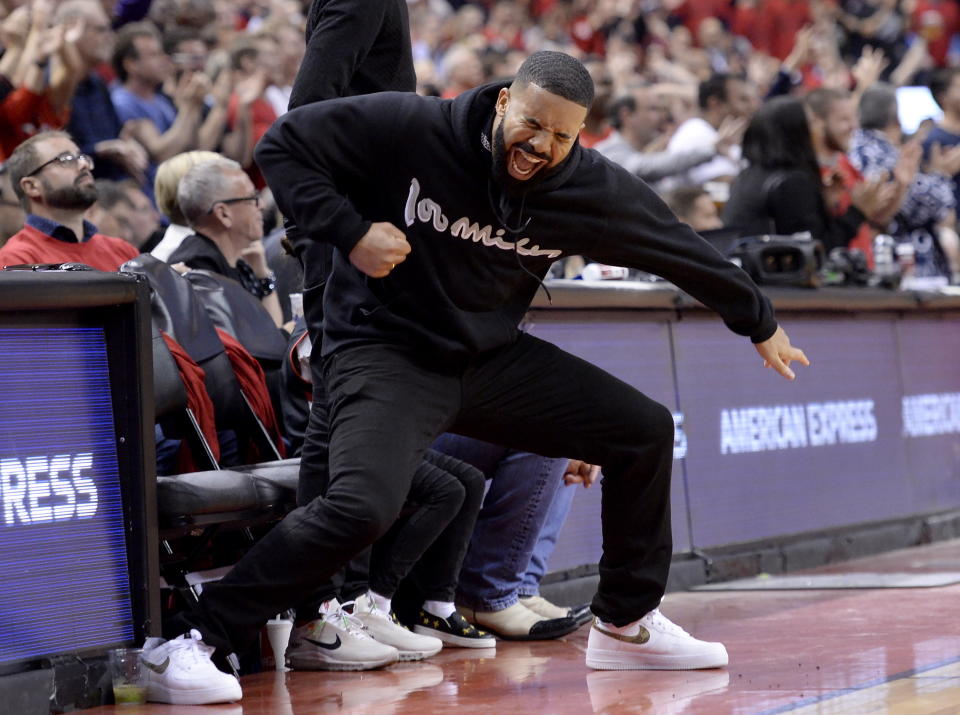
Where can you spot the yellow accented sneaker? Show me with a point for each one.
(659, 644)
(454, 631)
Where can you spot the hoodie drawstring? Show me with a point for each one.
(502, 211)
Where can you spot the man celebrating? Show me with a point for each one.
(445, 215)
(54, 183)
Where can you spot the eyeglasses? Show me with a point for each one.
(255, 198)
(66, 159)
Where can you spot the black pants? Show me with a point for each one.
(385, 410)
(433, 531)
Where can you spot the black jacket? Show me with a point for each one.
(353, 47)
(421, 163)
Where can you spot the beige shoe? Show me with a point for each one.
(538, 604)
(543, 607)
(519, 623)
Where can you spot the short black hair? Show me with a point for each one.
(940, 82)
(715, 86)
(559, 74)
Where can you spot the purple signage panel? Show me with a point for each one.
(769, 457)
(930, 410)
(637, 352)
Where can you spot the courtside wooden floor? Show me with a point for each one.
(849, 651)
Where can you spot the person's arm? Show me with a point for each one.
(66, 66)
(643, 233)
(658, 165)
(183, 133)
(342, 34)
(314, 156)
(255, 256)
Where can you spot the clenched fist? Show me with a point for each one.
(380, 250)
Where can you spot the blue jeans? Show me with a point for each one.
(515, 510)
(556, 515)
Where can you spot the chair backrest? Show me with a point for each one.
(175, 309)
(234, 309)
(179, 307)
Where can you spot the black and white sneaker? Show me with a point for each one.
(454, 631)
(180, 672)
(337, 641)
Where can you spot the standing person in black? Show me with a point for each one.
(353, 47)
(420, 332)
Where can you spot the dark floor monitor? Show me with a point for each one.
(78, 569)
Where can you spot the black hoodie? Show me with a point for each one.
(424, 165)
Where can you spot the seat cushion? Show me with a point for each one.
(206, 493)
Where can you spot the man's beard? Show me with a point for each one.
(502, 174)
(75, 196)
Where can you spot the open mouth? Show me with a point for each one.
(524, 164)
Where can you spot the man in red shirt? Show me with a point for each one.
(54, 184)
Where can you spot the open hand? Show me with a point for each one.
(778, 353)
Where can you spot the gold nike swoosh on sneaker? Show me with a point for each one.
(642, 637)
(160, 668)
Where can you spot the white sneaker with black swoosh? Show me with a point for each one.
(652, 643)
(180, 672)
(337, 641)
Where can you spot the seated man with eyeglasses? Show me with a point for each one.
(223, 208)
(55, 186)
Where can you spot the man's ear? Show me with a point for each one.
(30, 185)
(223, 215)
(503, 99)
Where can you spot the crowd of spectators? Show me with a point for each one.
(136, 82)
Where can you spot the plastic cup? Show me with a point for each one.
(278, 631)
(129, 684)
(296, 305)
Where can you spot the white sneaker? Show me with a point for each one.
(180, 672)
(337, 641)
(660, 645)
(386, 629)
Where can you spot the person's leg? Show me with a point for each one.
(350, 581)
(537, 568)
(535, 397)
(547, 540)
(434, 500)
(445, 496)
(513, 512)
(380, 427)
(521, 488)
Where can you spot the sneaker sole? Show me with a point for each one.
(408, 655)
(457, 641)
(160, 694)
(313, 663)
(618, 660)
